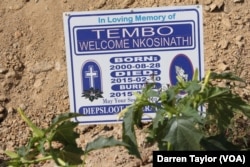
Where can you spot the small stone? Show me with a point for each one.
(239, 38)
(223, 44)
(11, 74)
(65, 97)
(207, 8)
(219, 3)
(2, 109)
(226, 9)
(212, 7)
(41, 67)
(240, 44)
(237, 17)
(223, 67)
(237, 1)
(242, 85)
(11, 110)
(207, 2)
(17, 34)
(245, 118)
(15, 45)
(38, 83)
(3, 70)
(227, 25)
(57, 66)
(23, 107)
(222, 84)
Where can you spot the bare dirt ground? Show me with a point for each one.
(33, 72)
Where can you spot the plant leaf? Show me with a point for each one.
(158, 130)
(102, 142)
(191, 113)
(61, 118)
(70, 152)
(35, 130)
(71, 155)
(65, 134)
(218, 143)
(227, 75)
(128, 133)
(222, 103)
(195, 75)
(11, 154)
(192, 87)
(182, 134)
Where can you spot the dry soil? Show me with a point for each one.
(33, 72)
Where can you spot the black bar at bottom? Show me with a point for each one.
(201, 158)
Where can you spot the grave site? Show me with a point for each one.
(35, 67)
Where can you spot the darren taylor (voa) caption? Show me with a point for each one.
(220, 159)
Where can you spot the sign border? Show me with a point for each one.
(125, 11)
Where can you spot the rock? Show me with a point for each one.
(100, 4)
(223, 67)
(207, 8)
(212, 7)
(207, 2)
(11, 110)
(16, 6)
(237, 1)
(239, 38)
(219, 3)
(216, 5)
(41, 67)
(227, 25)
(11, 74)
(23, 107)
(222, 84)
(17, 34)
(15, 45)
(223, 44)
(240, 44)
(240, 84)
(38, 83)
(3, 98)
(126, 3)
(3, 70)
(57, 66)
(2, 109)
(237, 17)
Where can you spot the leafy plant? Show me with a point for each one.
(192, 115)
(57, 142)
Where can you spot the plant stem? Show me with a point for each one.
(169, 147)
(36, 160)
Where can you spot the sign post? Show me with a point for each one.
(111, 54)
